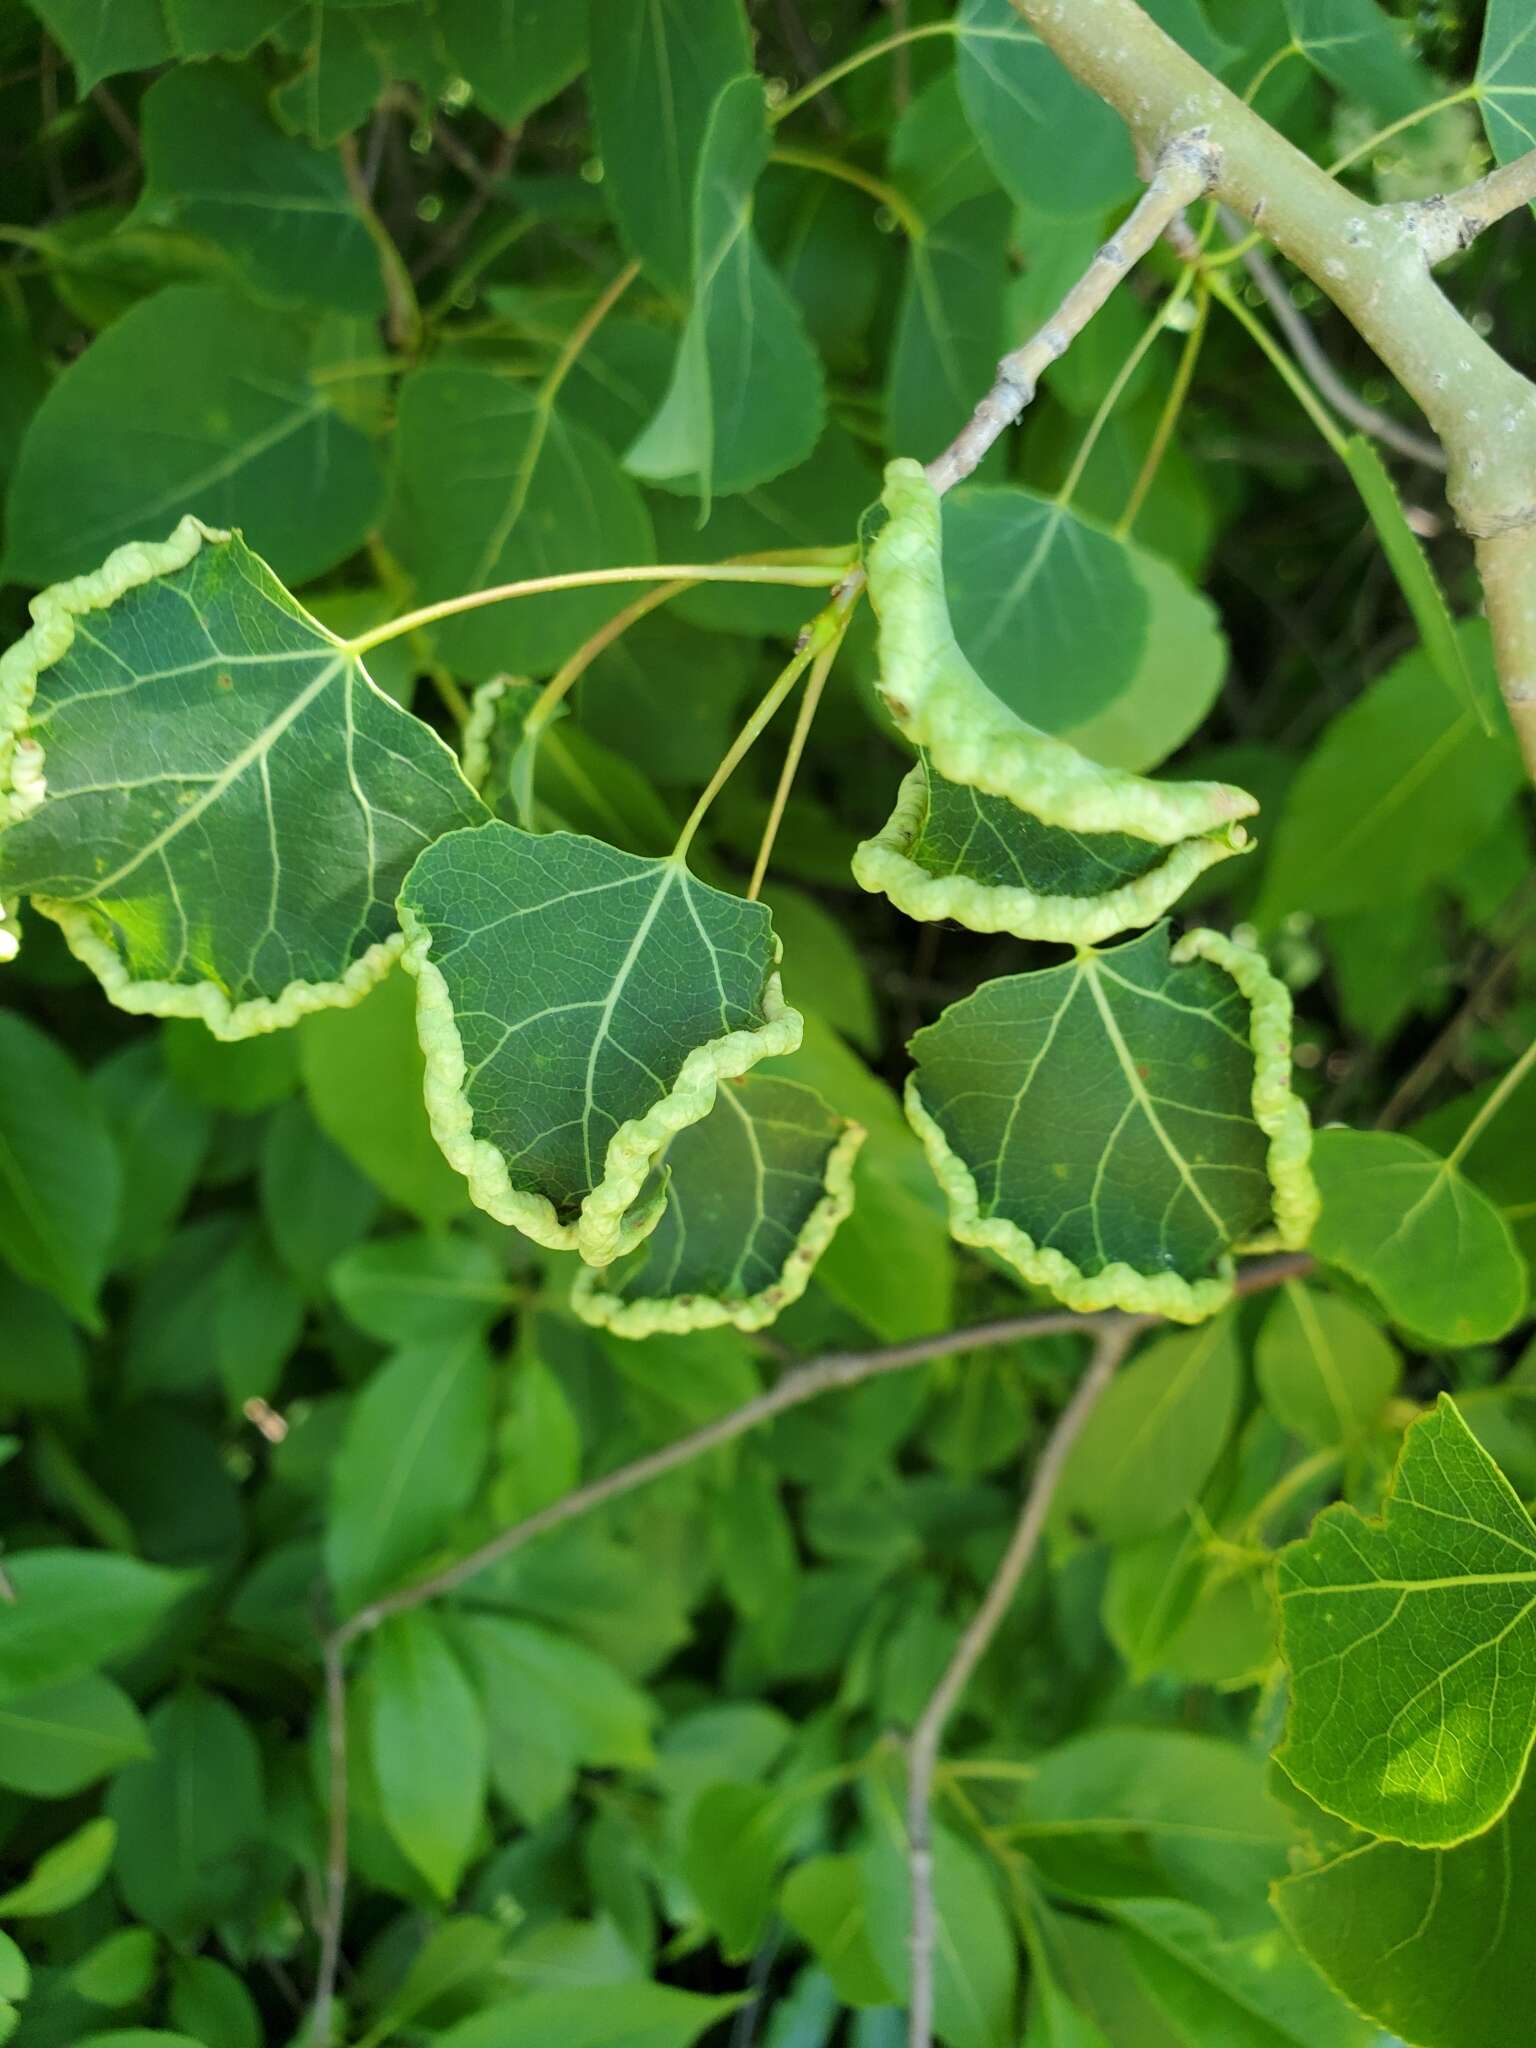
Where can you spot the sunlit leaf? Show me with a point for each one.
(230, 803)
(1412, 1646)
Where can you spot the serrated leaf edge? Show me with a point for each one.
(1278, 1112)
(1342, 1513)
(673, 1316)
(942, 705)
(883, 865)
(604, 1229)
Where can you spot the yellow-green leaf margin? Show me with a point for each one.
(1277, 1111)
(663, 1315)
(942, 705)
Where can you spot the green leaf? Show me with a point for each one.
(538, 1451)
(75, 1609)
(823, 1901)
(117, 1971)
(1148, 1447)
(313, 1200)
(951, 853)
(15, 1972)
(1358, 49)
(545, 1694)
(1500, 1152)
(195, 401)
(975, 1962)
(207, 1996)
(975, 739)
(1418, 583)
(1399, 790)
(55, 1742)
(1129, 1812)
(578, 1007)
(347, 62)
(221, 28)
(201, 727)
(428, 1738)
(949, 325)
(64, 1875)
(60, 1176)
(1506, 79)
(409, 1462)
(595, 2016)
(515, 53)
(245, 1075)
(1433, 1944)
(258, 1318)
(736, 1840)
(496, 485)
(1325, 1370)
(415, 1288)
(216, 165)
(1182, 1138)
(1412, 1646)
(363, 1075)
(162, 1136)
(103, 37)
(1431, 1247)
(679, 56)
(755, 1191)
(1031, 116)
(190, 1820)
(746, 400)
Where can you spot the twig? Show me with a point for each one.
(839, 1370)
(923, 1748)
(1452, 221)
(334, 1651)
(1308, 350)
(402, 316)
(1186, 167)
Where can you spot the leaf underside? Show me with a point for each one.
(578, 1007)
(1114, 1128)
(754, 1194)
(230, 803)
(972, 738)
(949, 851)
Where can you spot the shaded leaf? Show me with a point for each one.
(216, 165)
(1325, 1370)
(195, 401)
(496, 485)
(428, 1740)
(515, 53)
(1114, 1127)
(60, 1174)
(746, 400)
(949, 326)
(415, 1287)
(578, 1007)
(103, 37)
(1431, 1247)
(75, 1609)
(57, 1741)
(755, 1191)
(63, 1875)
(1356, 47)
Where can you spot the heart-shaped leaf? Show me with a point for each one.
(578, 1006)
(206, 791)
(754, 1194)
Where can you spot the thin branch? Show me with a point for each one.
(402, 315)
(839, 1370)
(1452, 221)
(1298, 331)
(1186, 167)
(923, 1748)
(334, 1906)
(821, 668)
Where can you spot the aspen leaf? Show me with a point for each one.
(578, 1006)
(207, 792)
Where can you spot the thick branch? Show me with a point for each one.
(1372, 262)
(923, 1748)
(1186, 167)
